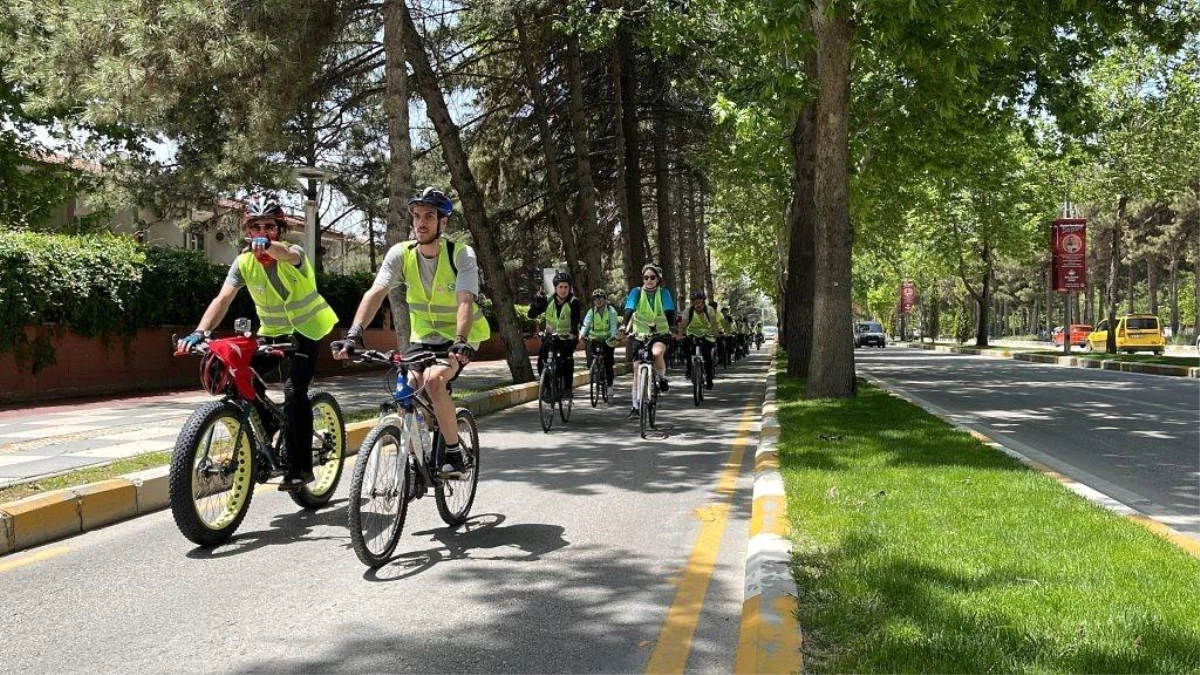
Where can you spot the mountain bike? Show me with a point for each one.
(394, 463)
(645, 383)
(551, 393)
(698, 372)
(722, 355)
(225, 448)
(597, 379)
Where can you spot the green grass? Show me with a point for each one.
(1185, 361)
(919, 549)
(84, 476)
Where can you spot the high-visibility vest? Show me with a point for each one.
(700, 325)
(649, 312)
(601, 322)
(558, 319)
(304, 311)
(435, 311)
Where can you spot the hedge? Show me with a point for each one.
(110, 286)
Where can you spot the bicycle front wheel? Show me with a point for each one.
(379, 495)
(212, 474)
(596, 383)
(697, 380)
(455, 497)
(644, 400)
(329, 451)
(546, 396)
(565, 403)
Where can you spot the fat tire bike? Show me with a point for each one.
(399, 459)
(551, 393)
(224, 449)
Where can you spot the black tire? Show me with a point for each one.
(546, 400)
(376, 549)
(596, 383)
(208, 523)
(644, 407)
(566, 403)
(456, 514)
(697, 381)
(328, 473)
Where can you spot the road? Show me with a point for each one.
(1133, 437)
(1171, 350)
(577, 546)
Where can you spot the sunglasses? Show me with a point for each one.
(649, 277)
(262, 227)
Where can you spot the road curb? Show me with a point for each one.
(1089, 493)
(1070, 361)
(770, 638)
(39, 519)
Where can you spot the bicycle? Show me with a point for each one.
(698, 372)
(550, 387)
(645, 383)
(224, 448)
(393, 466)
(723, 352)
(597, 379)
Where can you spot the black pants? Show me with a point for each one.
(298, 421)
(706, 349)
(607, 353)
(564, 349)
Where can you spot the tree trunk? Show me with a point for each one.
(1173, 291)
(1035, 313)
(695, 235)
(662, 183)
(1129, 300)
(685, 232)
(474, 211)
(831, 368)
(1114, 270)
(1152, 281)
(801, 223)
(633, 167)
(634, 256)
(591, 241)
(983, 299)
(400, 180)
(558, 205)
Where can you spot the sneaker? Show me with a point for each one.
(663, 385)
(453, 463)
(294, 483)
(608, 392)
(634, 414)
(708, 385)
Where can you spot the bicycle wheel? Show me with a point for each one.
(697, 380)
(329, 429)
(455, 497)
(546, 399)
(596, 383)
(379, 495)
(565, 403)
(653, 405)
(212, 474)
(644, 401)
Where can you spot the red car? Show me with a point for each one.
(1079, 333)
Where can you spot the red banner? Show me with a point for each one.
(1068, 240)
(908, 297)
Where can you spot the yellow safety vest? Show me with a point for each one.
(435, 311)
(304, 312)
(558, 319)
(601, 322)
(700, 326)
(647, 313)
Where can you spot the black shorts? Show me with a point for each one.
(635, 344)
(442, 352)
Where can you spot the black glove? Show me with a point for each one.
(354, 337)
(463, 349)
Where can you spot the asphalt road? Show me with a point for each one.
(1133, 437)
(577, 544)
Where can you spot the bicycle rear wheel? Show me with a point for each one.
(379, 490)
(546, 399)
(566, 402)
(212, 474)
(330, 428)
(644, 401)
(697, 380)
(455, 497)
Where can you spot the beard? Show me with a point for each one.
(432, 237)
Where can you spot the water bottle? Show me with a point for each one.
(403, 393)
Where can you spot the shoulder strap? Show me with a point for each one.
(449, 254)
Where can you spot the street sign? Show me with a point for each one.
(908, 297)
(1068, 240)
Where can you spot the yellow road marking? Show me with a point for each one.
(674, 642)
(36, 557)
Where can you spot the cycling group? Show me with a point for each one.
(230, 445)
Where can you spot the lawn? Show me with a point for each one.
(1185, 361)
(919, 549)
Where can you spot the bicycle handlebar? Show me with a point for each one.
(202, 348)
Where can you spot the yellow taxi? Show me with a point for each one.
(1135, 332)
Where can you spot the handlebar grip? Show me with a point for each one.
(347, 345)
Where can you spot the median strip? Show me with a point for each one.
(1098, 362)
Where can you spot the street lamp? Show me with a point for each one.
(310, 178)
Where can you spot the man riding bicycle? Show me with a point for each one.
(443, 280)
(563, 317)
(699, 325)
(288, 307)
(601, 325)
(649, 305)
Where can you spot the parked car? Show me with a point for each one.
(869, 334)
(1079, 334)
(770, 332)
(1135, 332)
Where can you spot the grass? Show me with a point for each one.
(919, 549)
(84, 476)
(1185, 361)
(970, 345)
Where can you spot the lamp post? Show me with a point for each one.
(310, 178)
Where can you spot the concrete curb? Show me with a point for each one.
(1089, 493)
(770, 638)
(42, 518)
(1070, 361)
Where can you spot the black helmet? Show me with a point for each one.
(562, 278)
(599, 294)
(698, 295)
(435, 198)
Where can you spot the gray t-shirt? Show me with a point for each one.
(391, 274)
(234, 278)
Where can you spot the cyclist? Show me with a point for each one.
(442, 277)
(722, 328)
(700, 326)
(647, 305)
(563, 317)
(601, 324)
(283, 285)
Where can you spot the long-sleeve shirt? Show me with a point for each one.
(613, 322)
(536, 310)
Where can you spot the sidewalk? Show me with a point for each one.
(42, 440)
